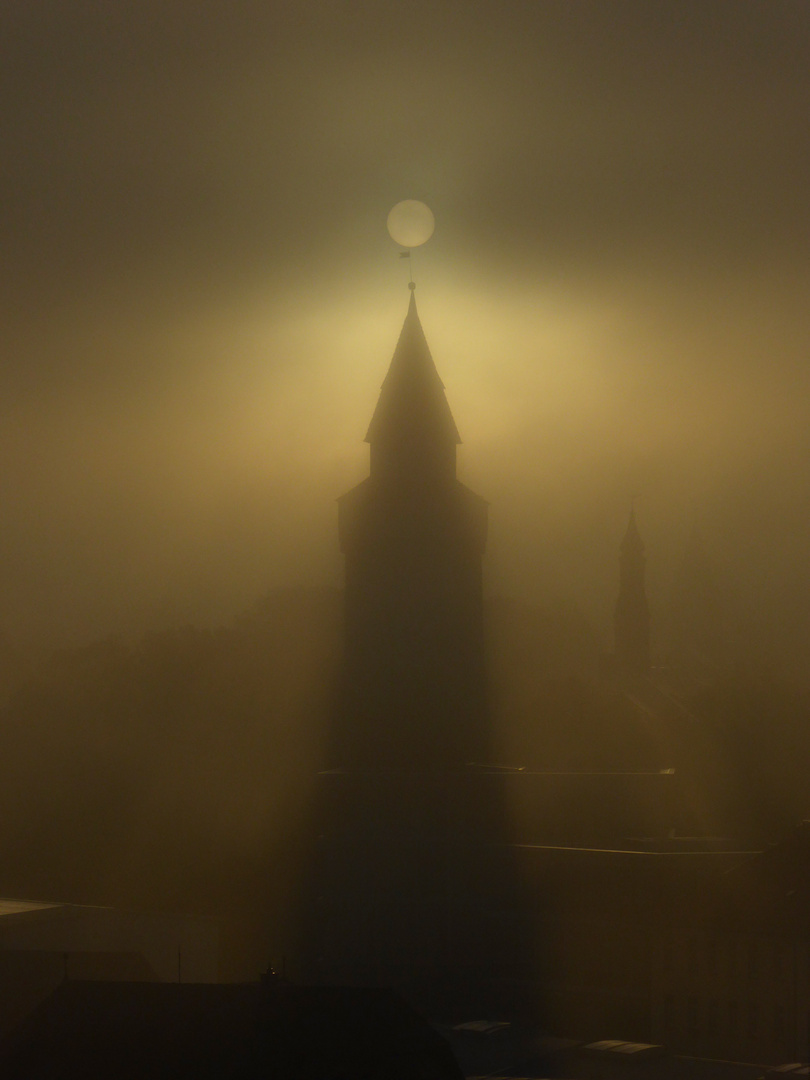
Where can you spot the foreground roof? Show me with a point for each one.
(148, 1030)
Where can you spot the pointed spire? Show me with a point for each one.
(632, 542)
(632, 615)
(412, 403)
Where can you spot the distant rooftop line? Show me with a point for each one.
(630, 851)
(499, 770)
(18, 907)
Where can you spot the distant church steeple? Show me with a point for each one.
(413, 537)
(632, 614)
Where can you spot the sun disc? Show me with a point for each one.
(411, 223)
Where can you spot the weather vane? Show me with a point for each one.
(410, 224)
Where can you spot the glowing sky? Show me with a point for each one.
(200, 298)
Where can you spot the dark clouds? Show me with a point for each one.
(199, 296)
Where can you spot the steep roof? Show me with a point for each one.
(412, 399)
(632, 542)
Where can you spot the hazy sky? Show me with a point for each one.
(200, 299)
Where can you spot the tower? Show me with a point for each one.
(411, 880)
(413, 538)
(632, 614)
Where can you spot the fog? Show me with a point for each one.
(200, 299)
(200, 302)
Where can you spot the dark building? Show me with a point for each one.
(412, 883)
(730, 973)
(413, 536)
(43, 943)
(632, 614)
(139, 1031)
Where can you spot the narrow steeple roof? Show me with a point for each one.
(412, 401)
(632, 542)
(632, 614)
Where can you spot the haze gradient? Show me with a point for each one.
(200, 298)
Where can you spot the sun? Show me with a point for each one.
(411, 223)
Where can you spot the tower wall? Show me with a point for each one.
(414, 692)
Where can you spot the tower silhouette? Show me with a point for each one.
(413, 537)
(412, 881)
(632, 614)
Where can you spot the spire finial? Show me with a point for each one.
(407, 255)
(410, 224)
